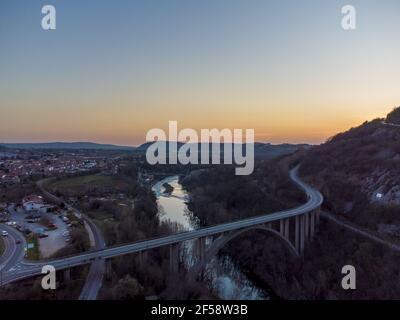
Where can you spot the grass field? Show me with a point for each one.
(34, 253)
(93, 180)
(82, 185)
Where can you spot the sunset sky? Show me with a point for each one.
(112, 70)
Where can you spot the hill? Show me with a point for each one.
(261, 150)
(358, 172)
(67, 146)
(394, 116)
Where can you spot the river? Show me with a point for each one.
(227, 280)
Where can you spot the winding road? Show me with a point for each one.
(95, 276)
(13, 252)
(94, 279)
(27, 269)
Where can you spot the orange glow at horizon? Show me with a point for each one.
(287, 70)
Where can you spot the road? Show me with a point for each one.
(28, 269)
(390, 124)
(13, 253)
(94, 279)
(360, 231)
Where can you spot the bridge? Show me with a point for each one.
(295, 227)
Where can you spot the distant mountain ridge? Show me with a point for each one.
(66, 146)
(261, 150)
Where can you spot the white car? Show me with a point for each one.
(4, 233)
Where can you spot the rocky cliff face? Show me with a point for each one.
(382, 187)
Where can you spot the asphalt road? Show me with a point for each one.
(360, 231)
(94, 279)
(95, 276)
(13, 253)
(390, 124)
(26, 269)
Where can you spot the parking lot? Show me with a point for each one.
(50, 241)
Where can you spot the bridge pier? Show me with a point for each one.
(297, 234)
(317, 214)
(287, 224)
(174, 258)
(307, 226)
(67, 275)
(142, 257)
(302, 234)
(282, 227)
(201, 248)
(108, 269)
(312, 224)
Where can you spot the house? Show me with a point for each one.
(32, 203)
(47, 208)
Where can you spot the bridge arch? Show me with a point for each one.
(220, 242)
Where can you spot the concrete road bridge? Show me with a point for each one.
(295, 227)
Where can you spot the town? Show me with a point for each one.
(17, 166)
(47, 224)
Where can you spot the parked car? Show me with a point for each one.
(34, 218)
(43, 235)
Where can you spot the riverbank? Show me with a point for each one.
(223, 275)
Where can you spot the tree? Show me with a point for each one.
(127, 288)
(394, 116)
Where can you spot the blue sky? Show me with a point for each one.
(114, 69)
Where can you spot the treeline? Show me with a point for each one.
(125, 223)
(317, 275)
(138, 276)
(394, 116)
(217, 195)
(31, 289)
(15, 193)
